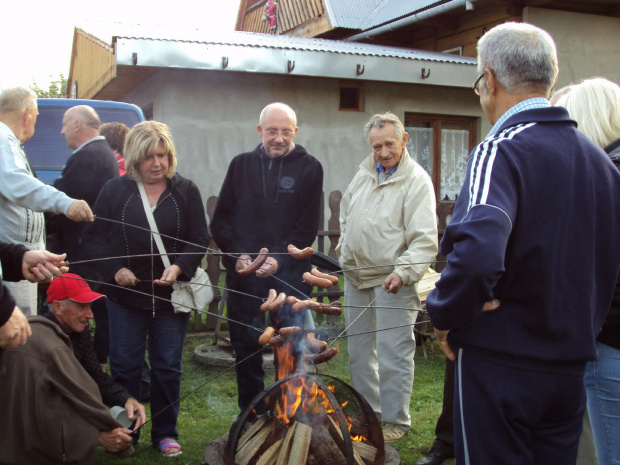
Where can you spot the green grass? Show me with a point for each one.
(209, 412)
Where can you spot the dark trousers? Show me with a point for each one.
(508, 416)
(129, 328)
(102, 330)
(444, 430)
(244, 317)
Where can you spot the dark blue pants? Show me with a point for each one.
(129, 328)
(508, 416)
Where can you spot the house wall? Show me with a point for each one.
(213, 117)
(587, 44)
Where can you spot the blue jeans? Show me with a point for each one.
(129, 328)
(602, 380)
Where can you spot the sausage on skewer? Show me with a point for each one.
(315, 344)
(266, 306)
(299, 254)
(256, 263)
(321, 357)
(316, 281)
(318, 274)
(267, 335)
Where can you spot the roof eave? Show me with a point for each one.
(241, 58)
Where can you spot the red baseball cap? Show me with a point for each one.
(74, 288)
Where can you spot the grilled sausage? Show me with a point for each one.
(278, 302)
(318, 274)
(316, 281)
(269, 302)
(331, 309)
(300, 254)
(256, 263)
(267, 335)
(276, 341)
(314, 344)
(289, 331)
(321, 357)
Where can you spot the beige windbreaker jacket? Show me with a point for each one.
(392, 224)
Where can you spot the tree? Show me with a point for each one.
(57, 89)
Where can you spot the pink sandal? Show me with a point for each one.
(167, 444)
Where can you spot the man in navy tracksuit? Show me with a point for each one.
(533, 257)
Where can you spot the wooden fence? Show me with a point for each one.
(327, 240)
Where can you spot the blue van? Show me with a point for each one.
(47, 149)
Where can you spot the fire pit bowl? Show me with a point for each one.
(305, 418)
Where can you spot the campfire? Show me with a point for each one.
(304, 418)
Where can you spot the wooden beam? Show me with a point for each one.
(449, 22)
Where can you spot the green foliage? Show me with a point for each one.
(56, 89)
(209, 412)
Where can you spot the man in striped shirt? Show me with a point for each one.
(533, 257)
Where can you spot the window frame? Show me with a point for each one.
(435, 122)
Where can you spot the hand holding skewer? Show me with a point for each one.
(40, 266)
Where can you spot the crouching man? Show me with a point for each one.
(53, 407)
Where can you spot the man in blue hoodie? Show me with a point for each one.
(533, 257)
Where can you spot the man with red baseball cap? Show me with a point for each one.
(56, 388)
(70, 299)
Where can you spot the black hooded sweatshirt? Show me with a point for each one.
(271, 203)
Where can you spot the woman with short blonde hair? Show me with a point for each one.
(178, 211)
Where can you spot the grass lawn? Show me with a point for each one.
(209, 412)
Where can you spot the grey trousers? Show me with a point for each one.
(381, 363)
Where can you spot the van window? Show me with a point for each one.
(47, 149)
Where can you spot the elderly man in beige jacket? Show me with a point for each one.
(387, 217)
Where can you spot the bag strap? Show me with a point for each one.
(153, 225)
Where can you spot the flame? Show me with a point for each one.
(302, 397)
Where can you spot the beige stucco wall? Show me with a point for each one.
(213, 116)
(587, 44)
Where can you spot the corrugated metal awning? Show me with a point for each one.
(300, 56)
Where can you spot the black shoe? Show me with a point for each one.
(434, 457)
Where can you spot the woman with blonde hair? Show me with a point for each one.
(595, 105)
(178, 211)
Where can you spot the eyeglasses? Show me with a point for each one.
(274, 133)
(476, 82)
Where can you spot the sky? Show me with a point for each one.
(36, 37)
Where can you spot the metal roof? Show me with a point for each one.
(396, 9)
(282, 42)
(365, 14)
(350, 14)
(293, 56)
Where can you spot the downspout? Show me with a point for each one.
(426, 14)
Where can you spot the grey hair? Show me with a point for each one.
(281, 106)
(17, 99)
(379, 120)
(521, 56)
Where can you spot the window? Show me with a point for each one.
(441, 144)
(350, 96)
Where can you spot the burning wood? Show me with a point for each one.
(271, 455)
(308, 422)
(246, 452)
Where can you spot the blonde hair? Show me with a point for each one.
(595, 105)
(142, 140)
